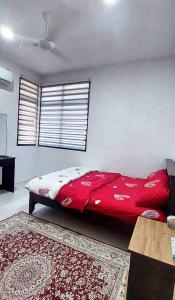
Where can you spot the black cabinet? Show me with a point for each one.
(8, 173)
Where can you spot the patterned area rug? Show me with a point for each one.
(40, 260)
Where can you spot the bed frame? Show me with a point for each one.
(170, 166)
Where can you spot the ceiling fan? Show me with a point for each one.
(43, 43)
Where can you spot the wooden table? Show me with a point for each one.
(8, 172)
(152, 269)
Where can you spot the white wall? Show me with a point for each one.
(26, 157)
(131, 120)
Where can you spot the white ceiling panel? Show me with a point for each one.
(88, 32)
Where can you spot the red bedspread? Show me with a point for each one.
(109, 194)
(118, 199)
(77, 193)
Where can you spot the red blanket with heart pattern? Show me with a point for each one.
(115, 195)
(77, 193)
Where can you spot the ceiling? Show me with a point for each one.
(89, 32)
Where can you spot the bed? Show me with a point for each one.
(110, 194)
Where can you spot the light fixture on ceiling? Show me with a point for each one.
(7, 33)
(110, 2)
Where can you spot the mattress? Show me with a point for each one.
(106, 193)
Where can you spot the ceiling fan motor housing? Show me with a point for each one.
(47, 45)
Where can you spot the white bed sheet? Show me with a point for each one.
(49, 185)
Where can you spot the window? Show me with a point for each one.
(27, 113)
(64, 116)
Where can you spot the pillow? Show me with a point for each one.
(155, 191)
(158, 174)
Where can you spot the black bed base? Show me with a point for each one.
(34, 199)
(37, 199)
(170, 165)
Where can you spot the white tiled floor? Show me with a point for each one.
(11, 203)
(95, 226)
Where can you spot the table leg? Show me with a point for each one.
(8, 174)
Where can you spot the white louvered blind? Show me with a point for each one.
(27, 113)
(64, 116)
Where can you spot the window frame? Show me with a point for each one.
(62, 84)
(38, 100)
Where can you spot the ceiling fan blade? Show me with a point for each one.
(26, 39)
(60, 55)
(66, 10)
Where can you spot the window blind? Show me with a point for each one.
(27, 113)
(64, 116)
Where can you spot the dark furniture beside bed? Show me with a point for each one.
(152, 269)
(171, 173)
(8, 172)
